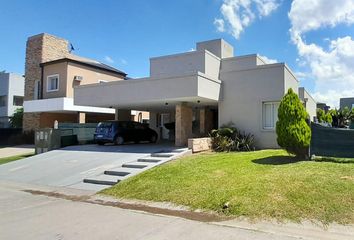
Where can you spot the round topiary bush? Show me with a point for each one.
(293, 133)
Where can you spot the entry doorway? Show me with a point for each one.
(165, 118)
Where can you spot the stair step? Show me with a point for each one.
(161, 154)
(102, 180)
(134, 165)
(151, 160)
(116, 173)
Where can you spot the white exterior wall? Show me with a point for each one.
(10, 85)
(243, 93)
(16, 88)
(185, 63)
(310, 103)
(218, 47)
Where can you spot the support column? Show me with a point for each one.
(81, 117)
(184, 118)
(123, 115)
(202, 129)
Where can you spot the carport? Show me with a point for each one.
(189, 100)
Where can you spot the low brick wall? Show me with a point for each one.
(199, 144)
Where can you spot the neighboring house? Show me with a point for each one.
(201, 90)
(11, 96)
(323, 106)
(346, 102)
(51, 74)
(309, 103)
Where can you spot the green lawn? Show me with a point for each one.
(260, 185)
(13, 158)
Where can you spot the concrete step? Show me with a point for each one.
(102, 180)
(116, 173)
(162, 154)
(150, 160)
(134, 165)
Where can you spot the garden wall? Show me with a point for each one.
(332, 142)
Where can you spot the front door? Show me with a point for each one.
(165, 118)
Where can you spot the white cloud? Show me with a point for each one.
(219, 24)
(331, 68)
(268, 60)
(239, 14)
(123, 61)
(108, 59)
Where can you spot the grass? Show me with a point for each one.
(14, 158)
(267, 184)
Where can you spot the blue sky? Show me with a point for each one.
(125, 34)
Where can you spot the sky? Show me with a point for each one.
(315, 38)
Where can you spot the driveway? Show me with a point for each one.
(68, 167)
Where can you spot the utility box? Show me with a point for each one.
(47, 139)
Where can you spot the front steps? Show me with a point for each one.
(113, 176)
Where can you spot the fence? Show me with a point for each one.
(332, 142)
(84, 131)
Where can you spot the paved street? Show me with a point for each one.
(31, 216)
(27, 216)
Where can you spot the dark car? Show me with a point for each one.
(120, 132)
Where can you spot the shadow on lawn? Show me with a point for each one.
(277, 160)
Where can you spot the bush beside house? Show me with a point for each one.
(229, 138)
(293, 132)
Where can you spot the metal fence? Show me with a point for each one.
(332, 142)
(84, 131)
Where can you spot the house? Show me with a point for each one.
(11, 96)
(309, 103)
(346, 102)
(51, 73)
(323, 106)
(201, 90)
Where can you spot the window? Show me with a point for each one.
(270, 115)
(53, 83)
(18, 101)
(37, 90)
(3, 101)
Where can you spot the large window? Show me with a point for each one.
(270, 115)
(53, 83)
(18, 101)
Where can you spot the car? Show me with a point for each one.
(120, 132)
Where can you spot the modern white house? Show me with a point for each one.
(11, 96)
(202, 90)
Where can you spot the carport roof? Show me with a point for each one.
(149, 93)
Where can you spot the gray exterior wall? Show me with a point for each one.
(11, 85)
(243, 93)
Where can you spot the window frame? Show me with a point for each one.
(14, 100)
(48, 80)
(273, 104)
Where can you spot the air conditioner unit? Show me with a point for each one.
(78, 78)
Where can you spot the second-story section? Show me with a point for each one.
(11, 95)
(62, 75)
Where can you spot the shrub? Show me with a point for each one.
(228, 138)
(293, 133)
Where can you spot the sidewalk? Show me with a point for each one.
(16, 150)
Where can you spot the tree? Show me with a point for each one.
(321, 115)
(293, 133)
(16, 119)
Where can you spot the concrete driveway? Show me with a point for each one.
(68, 167)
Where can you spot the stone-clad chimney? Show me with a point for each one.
(39, 48)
